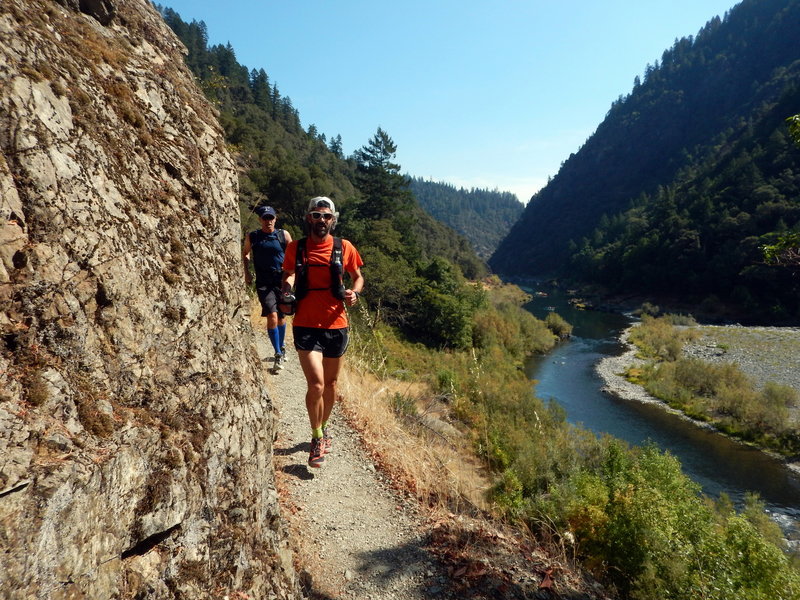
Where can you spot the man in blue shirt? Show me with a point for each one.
(267, 245)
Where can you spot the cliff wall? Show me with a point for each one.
(135, 435)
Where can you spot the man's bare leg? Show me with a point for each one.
(322, 376)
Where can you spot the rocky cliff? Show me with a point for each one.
(135, 435)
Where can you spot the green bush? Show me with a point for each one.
(556, 323)
(659, 339)
(644, 526)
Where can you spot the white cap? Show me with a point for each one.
(321, 202)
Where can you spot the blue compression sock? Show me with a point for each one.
(281, 335)
(273, 337)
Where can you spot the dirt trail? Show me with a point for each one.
(356, 537)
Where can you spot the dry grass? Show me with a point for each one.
(437, 467)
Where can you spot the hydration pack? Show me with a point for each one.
(301, 267)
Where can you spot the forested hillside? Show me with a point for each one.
(697, 158)
(484, 217)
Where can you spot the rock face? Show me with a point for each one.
(135, 435)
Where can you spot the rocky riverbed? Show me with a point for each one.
(763, 353)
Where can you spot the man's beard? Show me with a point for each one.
(321, 228)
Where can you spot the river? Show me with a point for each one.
(717, 463)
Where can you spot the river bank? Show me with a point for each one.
(762, 353)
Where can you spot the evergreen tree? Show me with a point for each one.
(383, 188)
(336, 146)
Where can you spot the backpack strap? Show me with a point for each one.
(337, 269)
(281, 233)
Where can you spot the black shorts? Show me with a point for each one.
(331, 342)
(268, 296)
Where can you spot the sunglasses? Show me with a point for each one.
(316, 215)
(268, 217)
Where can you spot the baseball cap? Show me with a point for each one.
(263, 211)
(321, 202)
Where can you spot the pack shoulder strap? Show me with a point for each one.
(281, 233)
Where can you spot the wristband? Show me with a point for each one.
(358, 294)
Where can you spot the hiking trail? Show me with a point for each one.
(354, 536)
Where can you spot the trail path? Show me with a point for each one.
(356, 537)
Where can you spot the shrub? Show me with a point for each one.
(659, 339)
(558, 325)
(645, 527)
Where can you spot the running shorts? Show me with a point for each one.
(331, 342)
(268, 296)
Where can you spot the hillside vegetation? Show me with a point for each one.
(687, 177)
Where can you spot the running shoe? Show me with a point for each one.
(278, 361)
(316, 458)
(327, 442)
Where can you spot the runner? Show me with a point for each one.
(267, 247)
(314, 266)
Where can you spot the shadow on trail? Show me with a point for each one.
(301, 447)
(299, 471)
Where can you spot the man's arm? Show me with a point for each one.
(351, 295)
(287, 281)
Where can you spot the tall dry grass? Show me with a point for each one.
(404, 426)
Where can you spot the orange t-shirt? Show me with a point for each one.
(320, 308)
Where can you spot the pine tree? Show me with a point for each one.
(383, 187)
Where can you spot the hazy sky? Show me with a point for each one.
(474, 93)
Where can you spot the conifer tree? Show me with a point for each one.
(383, 187)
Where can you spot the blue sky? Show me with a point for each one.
(474, 93)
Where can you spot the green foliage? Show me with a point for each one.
(657, 338)
(444, 306)
(556, 323)
(645, 525)
(507, 492)
(794, 128)
(385, 191)
(785, 251)
(517, 331)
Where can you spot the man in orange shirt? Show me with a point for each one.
(314, 266)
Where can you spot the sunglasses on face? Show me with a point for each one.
(268, 217)
(316, 215)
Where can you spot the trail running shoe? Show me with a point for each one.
(327, 442)
(316, 458)
(278, 361)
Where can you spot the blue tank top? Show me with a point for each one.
(267, 257)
